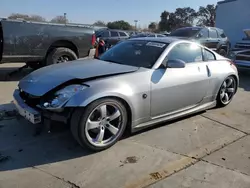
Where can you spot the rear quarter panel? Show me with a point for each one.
(220, 70)
(129, 87)
(26, 40)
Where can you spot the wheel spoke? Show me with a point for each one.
(93, 124)
(224, 84)
(222, 94)
(230, 90)
(100, 135)
(103, 110)
(230, 81)
(112, 129)
(115, 115)
(226, 97)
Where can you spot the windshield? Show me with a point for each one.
(135, 53)
(185, 32)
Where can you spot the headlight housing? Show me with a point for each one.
(63, 95)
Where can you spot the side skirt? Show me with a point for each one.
(177, 115)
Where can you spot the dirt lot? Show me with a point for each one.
(208, 150)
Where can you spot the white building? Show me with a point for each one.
(233, 16)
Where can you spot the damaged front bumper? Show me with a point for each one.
(24, 110)
(37, 115)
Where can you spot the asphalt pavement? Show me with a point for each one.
(207, 150)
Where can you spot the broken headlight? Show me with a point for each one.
(63, 95)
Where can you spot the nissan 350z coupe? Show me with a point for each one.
(137, 83)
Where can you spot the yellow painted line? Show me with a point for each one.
(170, 169)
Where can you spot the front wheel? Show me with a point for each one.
(227, 91)
(100, 125)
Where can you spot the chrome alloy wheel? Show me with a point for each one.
(227, 90)
(103, 125)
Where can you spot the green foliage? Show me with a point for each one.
(183, 17)
(26, 17)
(120, 24)
(152, 26)
(59, 19)
(206, 15)
(100, 23)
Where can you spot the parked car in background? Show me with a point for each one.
(240, 54)
(43, 43)
(111, 36)
(147, 35)
(211, 37)
(136, 84)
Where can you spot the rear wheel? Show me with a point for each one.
(100, 125)
(60, 55)
(227, 91)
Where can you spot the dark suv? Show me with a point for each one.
(110, 36)
(211, 37)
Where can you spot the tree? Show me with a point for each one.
(152, 26)
(184, 16)
(120, 24)
(99, 23)
(206, 15)
(164, 24)
(26, 17)
(59, 19)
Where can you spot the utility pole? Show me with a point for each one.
(135, 24)
(65, 18)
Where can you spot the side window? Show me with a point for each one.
(114, 34)
(187, 52)
(204, 33)
(208, 56)
(213, 33)
(221, 33)
(105, 34)
(122, 34)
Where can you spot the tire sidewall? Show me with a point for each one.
(88, 110)
(58, 52)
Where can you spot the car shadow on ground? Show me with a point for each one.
(244, 79)
(24, 145)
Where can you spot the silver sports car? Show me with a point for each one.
(137, 83)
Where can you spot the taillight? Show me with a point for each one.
(93, 39)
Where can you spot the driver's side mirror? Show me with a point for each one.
(176, 63)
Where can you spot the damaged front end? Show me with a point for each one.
(36, 109)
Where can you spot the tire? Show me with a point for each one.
(223, 52)
(221, 99)
(83, 135)
(60, 53)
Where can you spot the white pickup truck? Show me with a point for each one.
(241, 51)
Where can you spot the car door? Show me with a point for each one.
(213, 39)
(176, 89)
(114, 37)
(203, 37)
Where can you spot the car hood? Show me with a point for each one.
(45, 79)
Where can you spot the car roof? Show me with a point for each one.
(160, 39)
